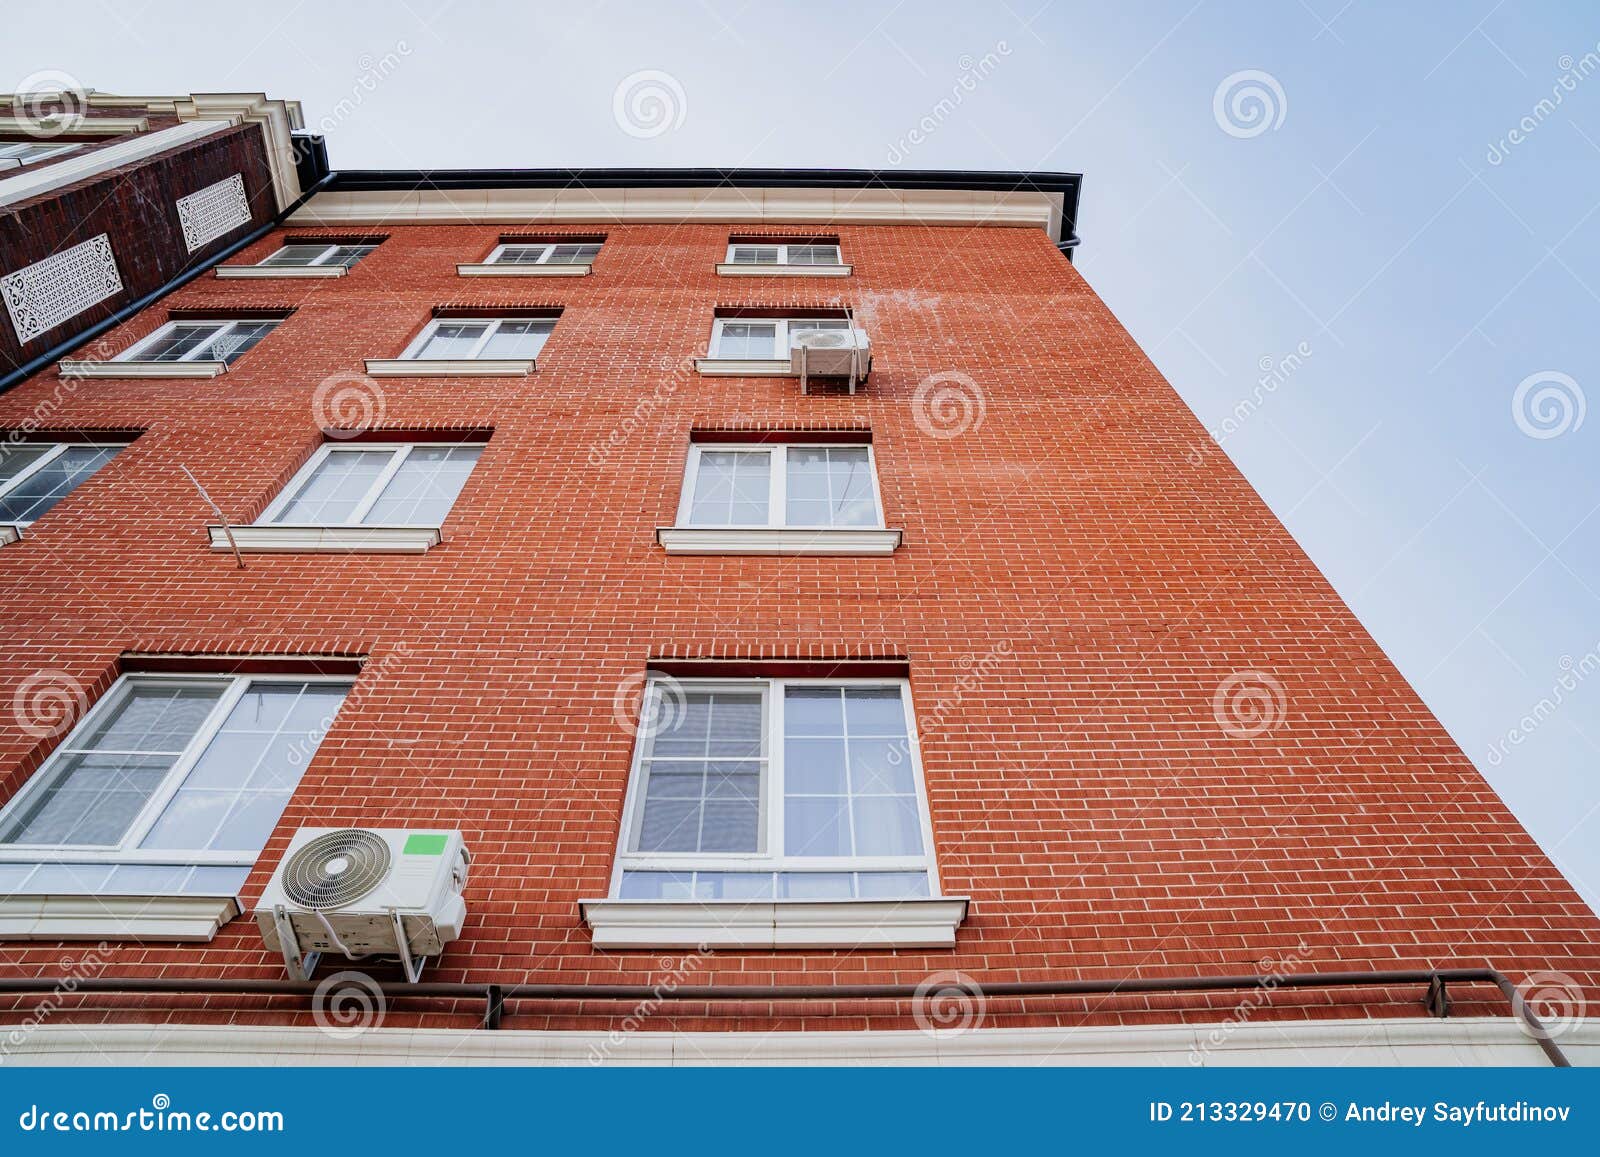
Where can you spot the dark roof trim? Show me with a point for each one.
(403, 180)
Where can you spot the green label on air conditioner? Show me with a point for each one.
(423, 844)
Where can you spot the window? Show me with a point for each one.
(799, 485)
(542, 253)
(314, 254)
(14, 153)
(764, 339)
(34, 476)
(778, 789)
(170, 785)
(480, 339)
(375, 484)
(199, 341)
(799, 253)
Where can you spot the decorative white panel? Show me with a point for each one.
(213, 211)
(45, 294)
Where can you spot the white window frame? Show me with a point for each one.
(322, 259)
(780, 345)
(57, 449)
(777, 483)
(544, 258)
(399, 452)
(48, 150)
(225, 326)
(127, 851)
(493, 323)
(771, 808)
(783, 252)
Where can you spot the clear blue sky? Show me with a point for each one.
(1382, 226)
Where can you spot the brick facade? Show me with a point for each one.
(1080, 593)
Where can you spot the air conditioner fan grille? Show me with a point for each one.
(335, 869)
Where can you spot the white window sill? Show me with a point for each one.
(362, 539)
(134, 369)
(10, 532)
(776, 540)
(744, 367)
(257, 272)
(919, 923)
(509, 269)
(441, 368)
(729, 269)
(146, 918)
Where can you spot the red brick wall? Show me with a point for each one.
(1083, 791)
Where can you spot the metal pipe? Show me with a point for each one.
(496, 997)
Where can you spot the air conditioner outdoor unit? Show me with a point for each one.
(365, 892)
(831, 353)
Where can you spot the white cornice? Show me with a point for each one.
(734, 269)
(1022, 208)
(449, 368)
(512, 269)
(73, 368)
(267, 272)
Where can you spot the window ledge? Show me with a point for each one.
(51, 917)
(10, 532)
(744, 368)
(363, 539)
(776, 540)
(919, 923)
(728, 269)
(442, 368)
(133, 369)
(507, 269)
(255, 272)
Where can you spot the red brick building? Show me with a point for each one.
(494, 504)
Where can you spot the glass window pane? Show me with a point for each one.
(755, 255)
(747, 340)
(91, 799)
(813, 255)
(814, 711)
(15, 457)
(179, 341)
(814, 767)
(830, 486)
(296, 255)
(887, 826)
(575, 254)
(150, 717)
(657, 886)
(41, 490)
(336, 487)
(425, 487)
(237, 789)
(881, 767)
(237, 340)
(521, 254)
(348, 255)
(816, 826)
(518, 339)
(874, 711)
(731, 488)
(452, 339)
(815, 885)
(891, 885)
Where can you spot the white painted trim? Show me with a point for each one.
(280, 538)
(72, 368)
(191, 918)
(509, 269)
(258, 272)
(442, 368)
(744, 368)
(1387, 1042)
(1025, 208)
(10, 532)
(918, 923)
(729, 269)
(840, 540)
(72, 125)
(34, 181)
